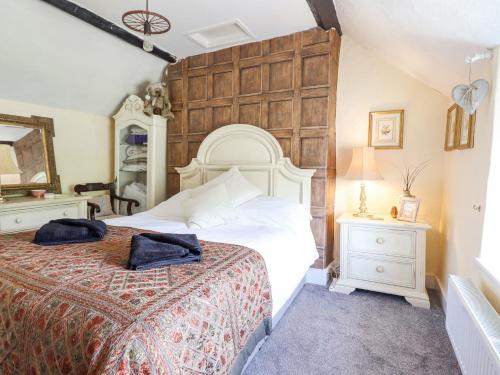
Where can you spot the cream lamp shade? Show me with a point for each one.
(7, 164)
(363, 166)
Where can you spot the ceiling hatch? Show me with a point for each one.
(223, 34)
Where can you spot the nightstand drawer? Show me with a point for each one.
(23, 220)
(382, 270)
(382, 241)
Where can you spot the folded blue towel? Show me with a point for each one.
(63, 231)
(151, 250)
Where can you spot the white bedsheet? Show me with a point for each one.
(281, 235)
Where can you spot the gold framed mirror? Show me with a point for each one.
(27, 153)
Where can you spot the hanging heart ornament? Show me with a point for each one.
(470, 96)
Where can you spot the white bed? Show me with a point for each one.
(276, 224)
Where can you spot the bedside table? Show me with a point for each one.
(384, 256)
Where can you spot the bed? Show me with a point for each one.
(75, 309)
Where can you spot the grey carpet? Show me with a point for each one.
(325, 333)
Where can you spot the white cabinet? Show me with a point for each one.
(27, 213)
(383, 255)
(140, 155)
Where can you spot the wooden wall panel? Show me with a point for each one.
(286, 85)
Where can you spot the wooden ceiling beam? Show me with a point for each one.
(107, 26)
(325, 14)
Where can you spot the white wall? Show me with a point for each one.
(51, 58)
(83, 143)
(465, 180)
(368, 83)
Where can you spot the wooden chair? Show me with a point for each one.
(99, 186)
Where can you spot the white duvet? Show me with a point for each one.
(279, 230)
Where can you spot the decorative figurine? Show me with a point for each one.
(156, 100)
(394, 212)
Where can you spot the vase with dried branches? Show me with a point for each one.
(409, 175)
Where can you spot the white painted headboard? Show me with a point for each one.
(258, 156)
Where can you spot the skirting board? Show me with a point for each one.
(319, 276)
(431, 282)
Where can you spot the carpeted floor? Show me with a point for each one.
(325, 333)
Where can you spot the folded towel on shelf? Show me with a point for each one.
(64, 231)
(136, 129)
(137, 139)
(136, 151)
(137, 191)
(138, 167)
(135, 161)
(151, 250)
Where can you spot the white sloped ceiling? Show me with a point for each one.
(428, 39)
(50, 58)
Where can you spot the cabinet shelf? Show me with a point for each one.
(151, 175)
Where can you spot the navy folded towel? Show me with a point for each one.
(64, 231)
(151, 250)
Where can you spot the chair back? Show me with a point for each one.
(94, 186)
(98, 186)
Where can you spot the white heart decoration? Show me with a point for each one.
(470, 96)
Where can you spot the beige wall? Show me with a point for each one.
(465, 180)
(83, 143)
(368, 83)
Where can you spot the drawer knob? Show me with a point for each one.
(380, 240)
(18, 220)
(379, 269)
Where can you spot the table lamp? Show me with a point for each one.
(363, 167)
(7, 165)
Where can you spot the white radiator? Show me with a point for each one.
(474, 328)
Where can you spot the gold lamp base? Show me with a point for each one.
(363, 211)
(2, 199)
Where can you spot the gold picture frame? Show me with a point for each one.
(450, 140)
(460, 128)
(385, 129)
(465, 130)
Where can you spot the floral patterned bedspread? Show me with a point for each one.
(75, 309)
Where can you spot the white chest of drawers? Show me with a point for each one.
(27, 213)
(383, 255)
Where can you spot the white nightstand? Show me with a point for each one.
(383, 255)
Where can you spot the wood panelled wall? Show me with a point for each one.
(286, 85)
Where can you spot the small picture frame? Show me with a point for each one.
(408, 209)
(385, 129)
(465, 129)
(450, 141)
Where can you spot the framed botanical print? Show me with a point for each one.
(451, 128)
(385, 129)
(465, 129)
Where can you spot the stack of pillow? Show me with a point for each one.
(212, 203)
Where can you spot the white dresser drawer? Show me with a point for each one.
(382, 241)
(382, 270)
(34, 218)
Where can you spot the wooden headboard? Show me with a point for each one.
(258, 156)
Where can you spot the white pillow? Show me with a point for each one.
(172, 207)
(275, 212)
(238, 187)
(209, 208)
(220, 179)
